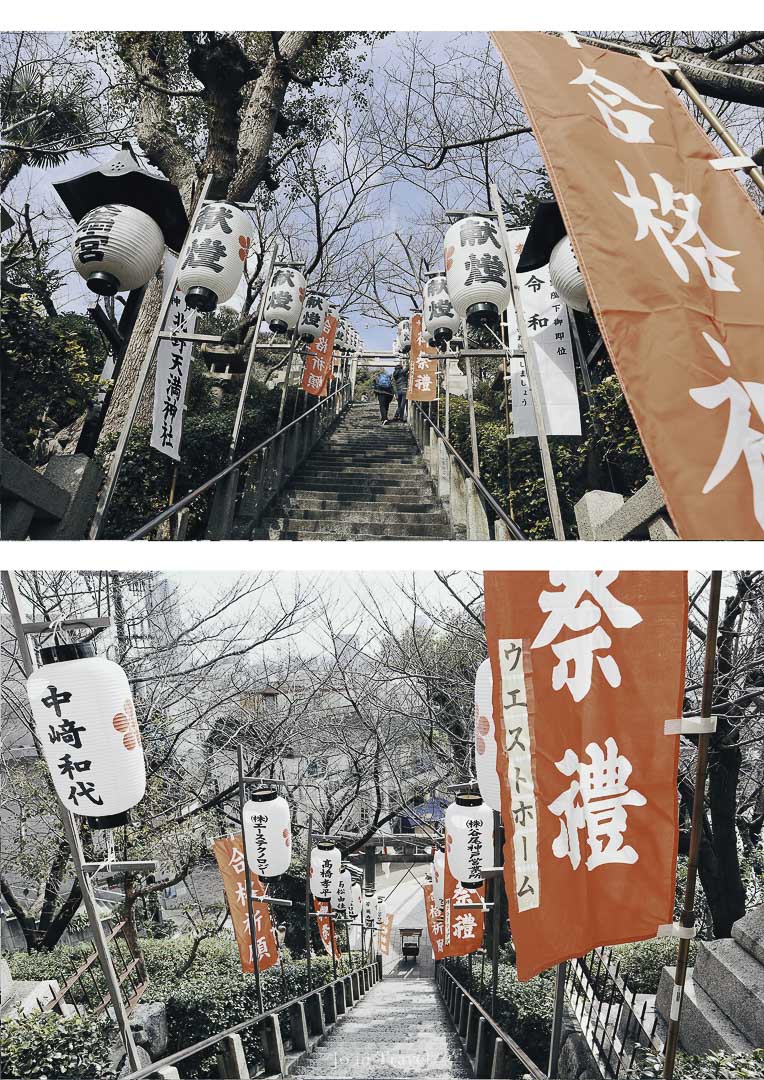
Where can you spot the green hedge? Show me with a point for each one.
(46, 1045)
(642, 962)
(719, 1064)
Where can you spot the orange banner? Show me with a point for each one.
(462, 929)
(385, 934)
(672, 251)
(228, 850)
(435, 924)
(321, 907)
(423, 366)
(318, 361)
(587, 667)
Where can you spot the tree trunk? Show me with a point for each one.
(131, 925)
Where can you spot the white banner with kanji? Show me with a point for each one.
(173, 360)
(546, 320)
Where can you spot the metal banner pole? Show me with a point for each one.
(248, 885)
(547, 468)
(559, 1001)
(282, 404)
(105, 497)
(333, 941)
(496, 887)
(446, 429)
(251, 358)
(307, 899)
(687, 918)
(473, 426)
(73, 839)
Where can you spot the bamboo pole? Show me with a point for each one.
(687, 918)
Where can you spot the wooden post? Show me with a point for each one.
(687, 918)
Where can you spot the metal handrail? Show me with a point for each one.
(514, 530)
(181, 504)
(212, 1040)
(528, 1064)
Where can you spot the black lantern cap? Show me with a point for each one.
(547, 229)
(124, 180)
(68, 650)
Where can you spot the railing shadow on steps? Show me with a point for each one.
(307, 1020)
(472, 510)
(244, 490)
(491, 1052)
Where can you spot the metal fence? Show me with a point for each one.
(617, 1024)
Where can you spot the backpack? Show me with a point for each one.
(384, 382)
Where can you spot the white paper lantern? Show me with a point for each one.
(340, 337)
(314, 311)
(403, 337)
(441, 319)
(285, 299)
(369, 910)
(485, 738)
(565, 276)
(117, 248)
(342, 895)
(356, 902)
(438, 876)
(469, 838)
(381, 911)
(324, 869)
(477, 273)
(85, 721)
(212, 260)
(267, 833)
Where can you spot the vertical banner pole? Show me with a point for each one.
(239, 418)
(555, 514)
(288, 372)
(308, 848)
(73, 839)
(496, 887)
(332, 931)
(559, 1001)
(447, 432)
(105, 497)
(687, 918)
(473, 426)
(248, 884)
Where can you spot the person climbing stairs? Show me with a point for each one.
(400, 1029)
(364, 481)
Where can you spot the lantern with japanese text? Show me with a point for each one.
(324, 869)
(342, 895)
(381, 911)
(117, 248)
(469, 838)
(85, 721)
(267, 833)
(565, 276)
(403, 336)
(369, 909)
(285, 299)
(438, 312)
(340, 337)
(314, 311)
(438, 875)
(356, 902)
(485, 738)
(477, 272)
(212, 261)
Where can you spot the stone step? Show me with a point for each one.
(352, 530)
(326, 534)
(735, 981)
(366, 459)
(378, 515)
(749, 932)
(358, 471)
(340, 483)
(341, 501)
(703, 1027)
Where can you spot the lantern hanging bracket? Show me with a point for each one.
(265, 781)
(66, 624)
(456, 214)
(144, 867)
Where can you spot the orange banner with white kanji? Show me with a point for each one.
(318, 361)
(435, 923)
(385, 933)
(322, 909)
(463, 923)
(423, 366)
(587, 668)
(229, 853)
(672, 250)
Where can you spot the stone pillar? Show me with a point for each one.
(273, 1046)
(500, 530)
(232, 1062)
(81, 478)
(592, 509)
(298, 1025)
(444, 473)
(457, 500)
(477, 522)
(314, 1011)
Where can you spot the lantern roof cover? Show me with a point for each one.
(547, 229)
(124, 180)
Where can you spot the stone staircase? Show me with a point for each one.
(400, 1029)
(723, 1006)
(362, 482)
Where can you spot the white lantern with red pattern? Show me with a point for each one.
(438, 876)
(477, 271)
(285, 299)
(267, 833)
(85, 721)
(485, 738)
(469, 838)
(212, 261)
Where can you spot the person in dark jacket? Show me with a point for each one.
(383, 388)
(401, 383)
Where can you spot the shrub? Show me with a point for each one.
(719, 1063)
(46, 1045)
(642, 962)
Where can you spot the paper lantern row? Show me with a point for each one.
(267, 834)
